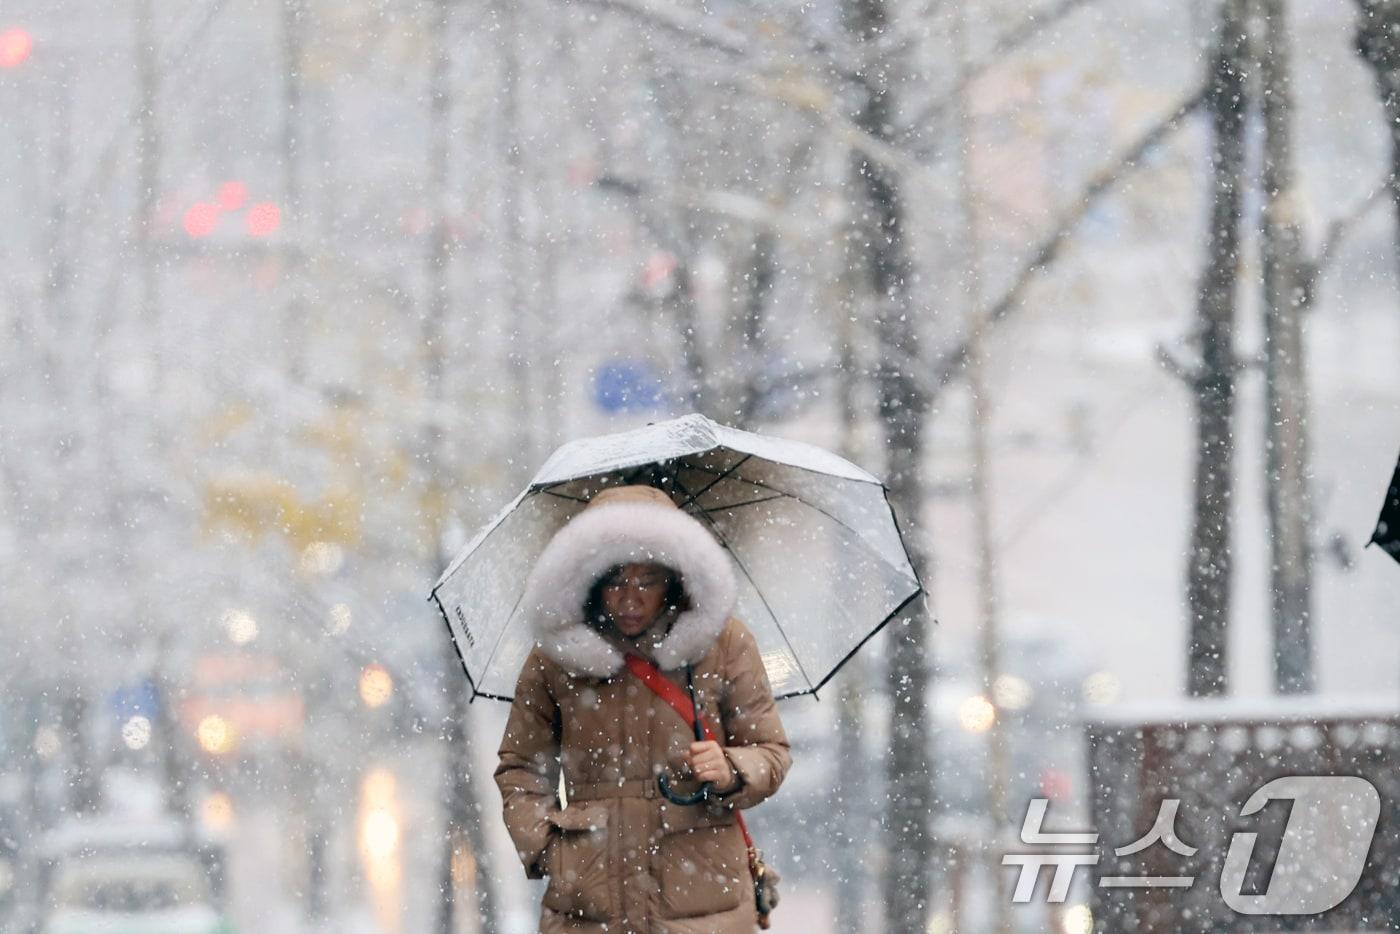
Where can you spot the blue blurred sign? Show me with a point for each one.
(140, 698)
(623, 385)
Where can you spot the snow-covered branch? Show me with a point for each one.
(698, 29)
(1336, 234)
(951, 365)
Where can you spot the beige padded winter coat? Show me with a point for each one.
(619, 857)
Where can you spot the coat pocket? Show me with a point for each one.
(704, 867)
(577, 864)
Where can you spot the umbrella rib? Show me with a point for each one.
(792, 651)
(694, 497)
(577, 499)
(453, 637)
(899, 534)
(495, 646)
(859, 537)
(780, 494)
(499, 521)
(756, 589)
(747, 502)
(811, 470)
(859, 645)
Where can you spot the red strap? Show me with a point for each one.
(666, 689)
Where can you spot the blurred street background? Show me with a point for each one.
(297, 294)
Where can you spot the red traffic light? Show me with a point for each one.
(263, 219)
(201, 219)
(15, 46)
(232, 195)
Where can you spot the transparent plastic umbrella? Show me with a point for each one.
(817, 551)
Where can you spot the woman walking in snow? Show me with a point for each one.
(634, 575)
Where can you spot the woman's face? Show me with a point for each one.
(635, 595)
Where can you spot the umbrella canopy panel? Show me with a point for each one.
(681, 437)
(480, 597)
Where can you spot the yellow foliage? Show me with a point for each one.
(260, 504)
(341, 435)
(434, 504)
(800, 91)
(396, 466)
(226, 422)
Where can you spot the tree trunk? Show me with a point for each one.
(84, 787)
(1209, 564)
(1378, 42)
(902, 404)
(465, 816)
(979, 427)
(679, 303)
(462, 792)
(851, 778)
(293, 222)
(753, 385)
(515, 249)
(148, 184)
(1286, 388)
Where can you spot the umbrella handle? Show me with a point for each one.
(700, 794)
(696, 723)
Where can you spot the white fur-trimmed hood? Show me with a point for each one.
(619, 528)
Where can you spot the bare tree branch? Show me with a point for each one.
(1007, 44)
(700, 30)
(948, 369)
(105, 165)
(707, 33)
(1034, 26)
(822, 106)
(696, 29)
(1338, 231)
(735, 205)
(1186, 371)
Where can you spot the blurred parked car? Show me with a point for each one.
(122, 875)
